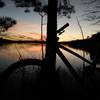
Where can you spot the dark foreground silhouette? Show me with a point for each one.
(42, 85)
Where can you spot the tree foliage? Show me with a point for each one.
(64, 6)
(92, 12)
(96, 36)
(6, 23)
(2, 4)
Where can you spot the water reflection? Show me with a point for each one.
(10, 53)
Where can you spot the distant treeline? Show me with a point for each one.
(91, 42)
(3, 41)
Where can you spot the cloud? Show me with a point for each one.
(22, 36)
(23, 27)
(25, 30)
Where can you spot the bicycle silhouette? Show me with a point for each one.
(19, 71)
(38, 64)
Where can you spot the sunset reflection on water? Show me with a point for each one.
(10, 53)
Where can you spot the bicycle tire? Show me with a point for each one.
(19, 64)
(11, 90)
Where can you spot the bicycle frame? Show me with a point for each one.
(64, 59)
(68, 64)
(44, 68)
(61, 55)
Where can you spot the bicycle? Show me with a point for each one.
(36, 64)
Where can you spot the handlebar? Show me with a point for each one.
(61, 30)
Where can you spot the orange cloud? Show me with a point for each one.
(23, 27)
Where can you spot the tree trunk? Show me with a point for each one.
(51, 36)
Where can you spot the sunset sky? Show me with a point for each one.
(28, 24)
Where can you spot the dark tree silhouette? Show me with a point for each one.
(6, 23)
(64, 6)
(96, 36)
(2, 4)
(92, 12)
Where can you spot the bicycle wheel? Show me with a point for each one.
(25, 63)
(21, 77)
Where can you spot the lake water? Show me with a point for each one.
(10, 53)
